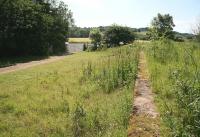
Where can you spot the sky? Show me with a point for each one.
(134, 13)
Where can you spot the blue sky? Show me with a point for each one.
(134, 13)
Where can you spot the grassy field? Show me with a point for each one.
(175, 77)
(79, 40)
(86, 94)
(89, 94)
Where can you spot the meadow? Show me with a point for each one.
(86, 94)
(90, 94)
(175, 77)
(79, 40)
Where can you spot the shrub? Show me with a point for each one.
(96, 37)
(116, 34)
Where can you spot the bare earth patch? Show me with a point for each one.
(145, 118)
(21, 66)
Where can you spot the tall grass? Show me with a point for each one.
(117, 70)
(88, 94)
(109, 74)
(175, 77)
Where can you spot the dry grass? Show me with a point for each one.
(79, 40)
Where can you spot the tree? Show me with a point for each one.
(33, 27)
(161, 27)
(96, 36)
(115, 35)
(62, 20)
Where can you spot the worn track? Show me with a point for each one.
(144, 121)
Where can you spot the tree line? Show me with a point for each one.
(33, 27)
(79, 32)
(113, 36)
(161, 28)
(41, 27)
(140, 33)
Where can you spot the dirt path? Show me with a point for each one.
(21, 66)
(145, 118)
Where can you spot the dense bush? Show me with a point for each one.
(33, 27)
(115, 35)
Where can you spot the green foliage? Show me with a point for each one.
(96, 37)
(126, 109)
(79, 121)
(175, 77)
(115, 35)
(33, 28)
(77, 32)
(119, 74)
(161, 27)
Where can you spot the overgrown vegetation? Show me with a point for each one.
(119, 70)
(175, 77)
(33, 27)
(91, 97)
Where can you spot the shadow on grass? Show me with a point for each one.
(10, 61)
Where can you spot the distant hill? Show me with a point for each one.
(78, 32)
(184, 36)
